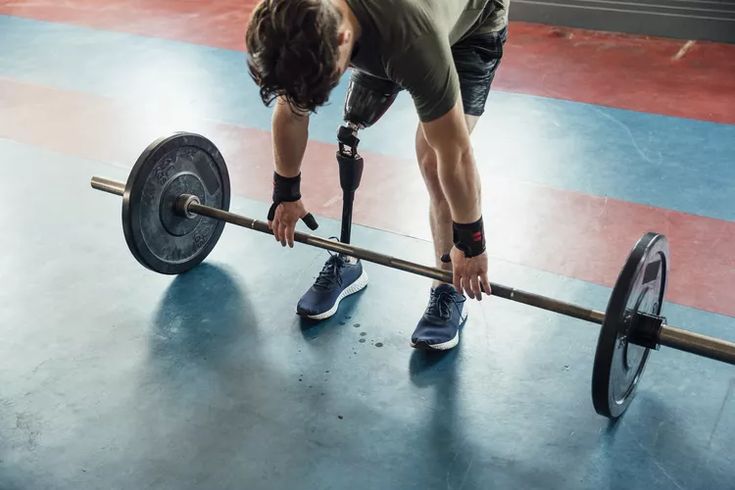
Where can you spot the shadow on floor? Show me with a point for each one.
(203, 314)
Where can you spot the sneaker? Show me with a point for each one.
(439, 328)
(340, 277)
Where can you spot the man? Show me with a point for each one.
(444, 53)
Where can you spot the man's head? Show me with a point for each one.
(298, 49)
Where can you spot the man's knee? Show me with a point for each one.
(368, 98)
(427, 161)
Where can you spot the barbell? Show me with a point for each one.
(176, 203)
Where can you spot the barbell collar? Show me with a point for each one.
(183, 205)
(645, 329)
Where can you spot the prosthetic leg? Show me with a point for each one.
(368, 98)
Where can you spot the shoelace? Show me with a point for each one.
(440, 303)
(330, 273)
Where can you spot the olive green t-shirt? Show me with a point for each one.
(410, 41)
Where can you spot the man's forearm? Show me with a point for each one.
(461, 184)
(449, 138)
(290, 134)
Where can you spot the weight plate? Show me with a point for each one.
(160, 237)
(640, 288)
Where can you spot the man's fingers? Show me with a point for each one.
(274, 227)
(457, 277)
(475, 287)
(467, 283)
(277, 230)
(282, 233)
(486, 284)
(290, 231)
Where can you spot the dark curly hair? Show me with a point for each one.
(293, 51)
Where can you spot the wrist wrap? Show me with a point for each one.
(469, 237)
(286, 189)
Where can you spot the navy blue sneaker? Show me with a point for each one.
(340, 277)
(439, 328)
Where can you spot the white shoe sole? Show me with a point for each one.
(356, 286)
(449, 344)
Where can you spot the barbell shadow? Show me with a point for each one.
(209, 394)
(182, 425)
(203, 313)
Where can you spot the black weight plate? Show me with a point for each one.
(158, 236)
(640, 288)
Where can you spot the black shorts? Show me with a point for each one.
(477, 58)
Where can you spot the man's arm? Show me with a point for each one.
(426, 70)
(449, 138)
(290, 134)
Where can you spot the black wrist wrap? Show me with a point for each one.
(469, 238)
(285, 189)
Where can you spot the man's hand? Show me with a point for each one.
(470, 274)
(283, 224)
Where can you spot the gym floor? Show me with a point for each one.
(112, 376)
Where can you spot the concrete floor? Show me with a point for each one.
(115, 377)
(112, 376)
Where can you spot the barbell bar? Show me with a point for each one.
(670, 336)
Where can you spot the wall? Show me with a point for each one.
(686, 19)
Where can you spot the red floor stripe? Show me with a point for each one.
(630, 72)
(567, 233)
(218, 24)
(624, 71)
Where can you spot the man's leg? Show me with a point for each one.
(367, 100)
